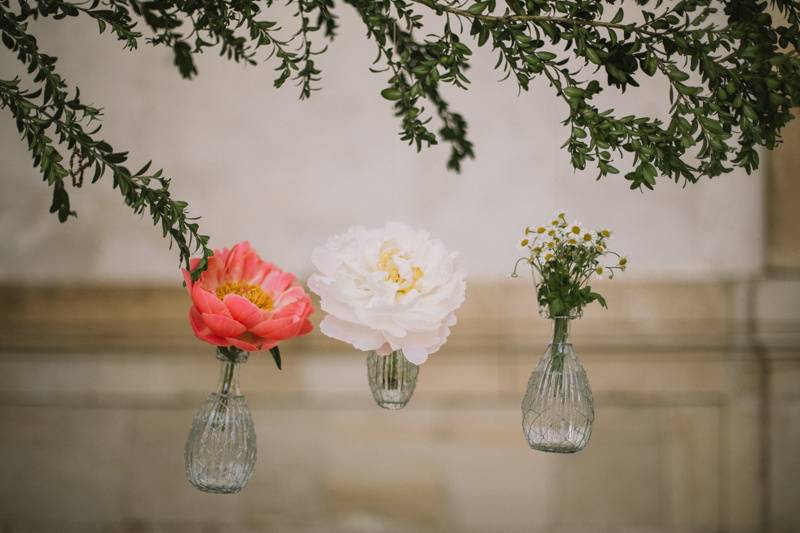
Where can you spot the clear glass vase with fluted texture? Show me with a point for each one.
(220, 452)
(392, 379)
(558, 409)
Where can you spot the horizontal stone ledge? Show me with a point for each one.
(501, 315)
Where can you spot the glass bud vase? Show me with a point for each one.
(557, 409)
(220, 452)
(392, 379)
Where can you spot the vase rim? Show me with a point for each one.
(232, 354)
(568, 316)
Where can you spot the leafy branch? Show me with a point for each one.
(50, 108)
(731, 87)
(732, 68)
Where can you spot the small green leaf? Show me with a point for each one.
(276, 355)
(477, 9)
(391, 93)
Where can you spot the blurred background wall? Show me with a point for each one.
(695, 366)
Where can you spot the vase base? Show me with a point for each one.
(555, 449)
(217, 489)
(391, 406)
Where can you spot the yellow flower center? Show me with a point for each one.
(605, 233)
(387, 264)
(540, 229)
(575, 229)
(587, 237)
(254, 293)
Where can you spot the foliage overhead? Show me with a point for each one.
(732, 67)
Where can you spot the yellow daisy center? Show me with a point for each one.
(254, 293)
(575, 229)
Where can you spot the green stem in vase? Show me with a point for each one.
(558, 350)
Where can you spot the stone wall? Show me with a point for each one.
(697, 420)
(695, 367)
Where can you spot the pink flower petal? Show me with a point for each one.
(278, 281)
(202, 331)
(207, 302)
(234, 263)
(223, 326)
(243, 345)
(243, 310)
(214, 275)
(306, 328)
(271, 328)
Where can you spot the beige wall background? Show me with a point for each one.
(694, 367)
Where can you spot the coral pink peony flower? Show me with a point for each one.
(243, 301)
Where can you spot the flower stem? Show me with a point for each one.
(558, 350)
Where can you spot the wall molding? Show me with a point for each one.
(710, 316)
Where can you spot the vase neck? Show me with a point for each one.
(230, 360)
(561, 326)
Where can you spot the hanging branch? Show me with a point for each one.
(50, 109)
(732, 69)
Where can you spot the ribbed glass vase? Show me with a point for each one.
(392, 379)
(220, 452)
(558, 409)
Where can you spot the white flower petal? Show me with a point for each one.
(361, 337)
(416, 355)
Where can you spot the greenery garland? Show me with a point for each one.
(733, 71)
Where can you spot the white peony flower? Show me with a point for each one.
(388, 289)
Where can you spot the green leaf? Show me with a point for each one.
(593, 56)
(478, 8)
(276, 355)
(391, 93)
